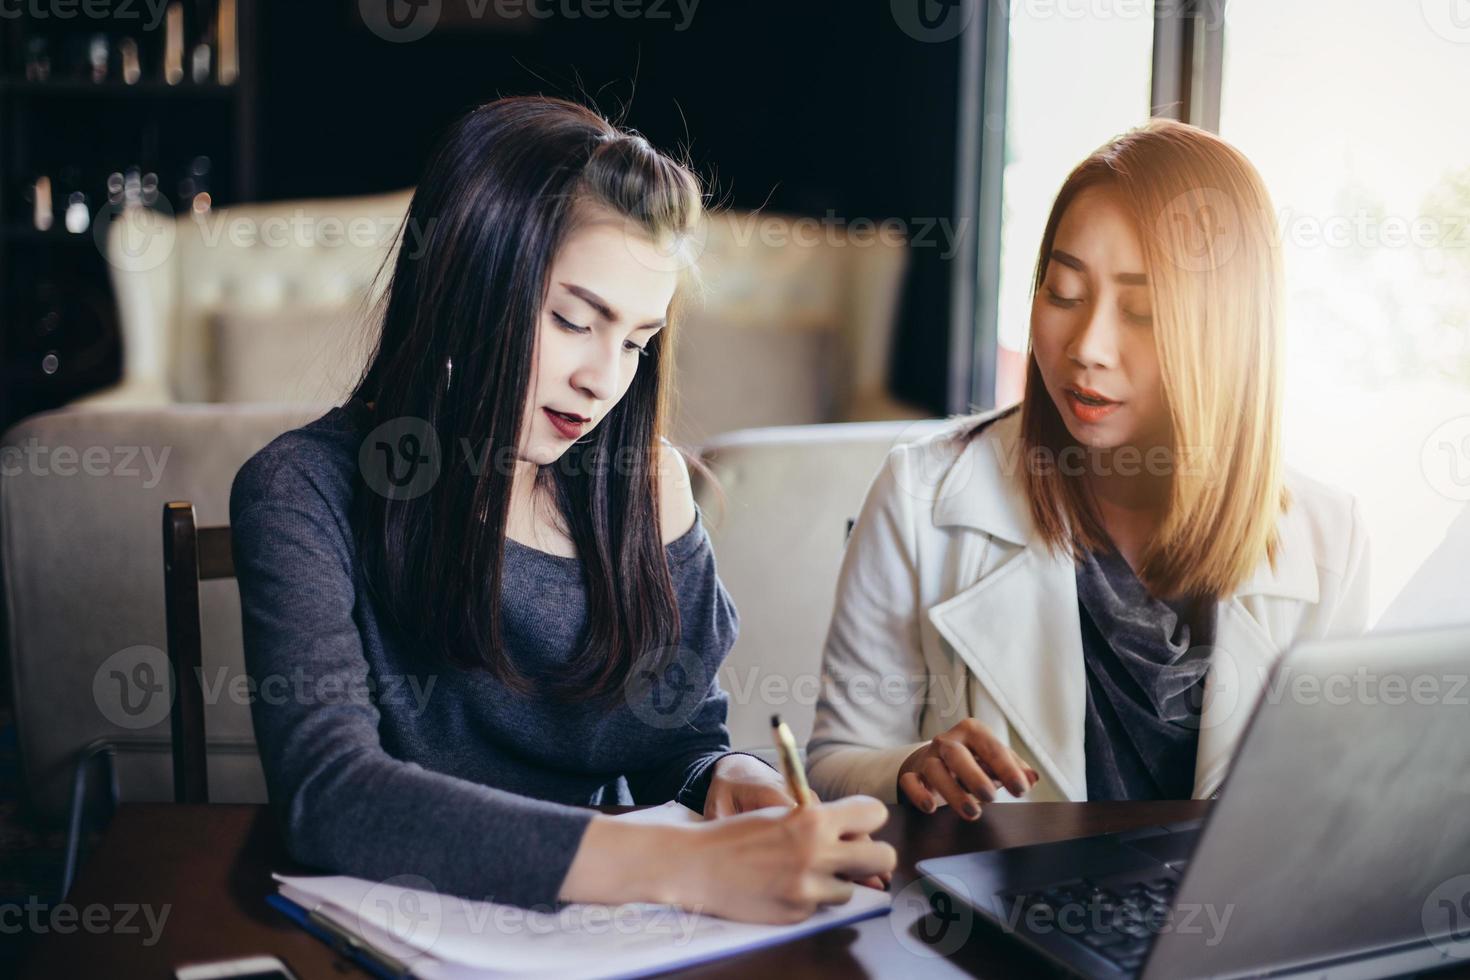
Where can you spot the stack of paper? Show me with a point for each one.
(442, 937)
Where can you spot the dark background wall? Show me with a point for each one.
(801, 107)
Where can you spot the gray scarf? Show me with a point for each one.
(1144, 684)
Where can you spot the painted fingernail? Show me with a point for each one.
(972, 811)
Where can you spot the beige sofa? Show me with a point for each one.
(80, 512)
(286, 280)
(793, 321)
(81, 550)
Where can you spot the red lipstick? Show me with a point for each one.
(568, 424)
(1089, 406)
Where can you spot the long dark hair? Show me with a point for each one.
(502, 192)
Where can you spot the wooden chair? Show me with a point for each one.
(191, 554)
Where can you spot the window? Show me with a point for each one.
(1356, 120)
(1077, 75)
(1354, 114)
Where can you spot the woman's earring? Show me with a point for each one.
(448, 371)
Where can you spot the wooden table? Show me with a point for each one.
(209, 867)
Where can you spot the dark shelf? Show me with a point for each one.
(55, 287)
(80, 88)
(56, 234)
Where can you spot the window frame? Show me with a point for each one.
(1186, 77)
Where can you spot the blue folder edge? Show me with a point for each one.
(364, 957)
(361, 957)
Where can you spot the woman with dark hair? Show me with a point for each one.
(482, 584)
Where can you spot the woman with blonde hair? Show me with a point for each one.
(1080, 596)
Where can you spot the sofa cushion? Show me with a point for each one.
(745, 377)
(778, 521)
(290, 355)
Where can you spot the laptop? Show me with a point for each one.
(1339, 846)
(1435, 596)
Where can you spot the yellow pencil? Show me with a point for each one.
(790, 761)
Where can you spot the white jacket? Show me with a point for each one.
(949, 606)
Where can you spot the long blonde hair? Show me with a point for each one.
(1206, 226)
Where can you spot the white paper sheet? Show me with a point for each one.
(672, 812)
(444, 937)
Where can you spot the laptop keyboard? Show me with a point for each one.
(1117, 921)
